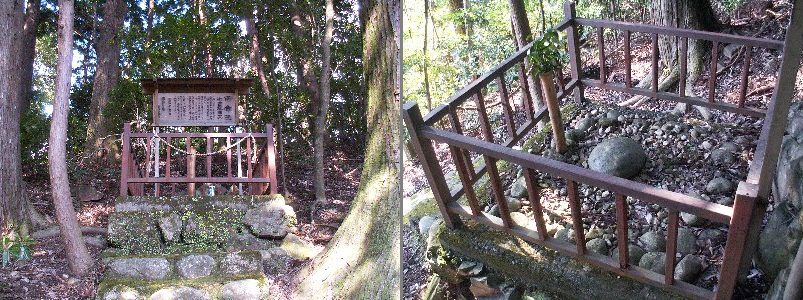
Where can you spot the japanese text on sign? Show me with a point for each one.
(195, 109)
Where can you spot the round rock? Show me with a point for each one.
(180, 293)
(719, 185)
(241, 290)
(266, 221)
(620, 156)
(195, 266)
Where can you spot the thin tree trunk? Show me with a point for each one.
(77, 255)
(320, 122)
(426, 57)
(13, 208)
(107, 72)
(149, 38)
(543, 15)
(362, 259)
(303, 61)
(523, 34)
(210, 68)
(255, 54)
(28, 53)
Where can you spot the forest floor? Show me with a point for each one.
(46, 275)
(672, 160)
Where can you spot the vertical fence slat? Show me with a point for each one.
(190, 166)
(671, 246)
(429, 163)
(628, 78)
(168, 157)
(248, 155)
(712, 79)
(621, 231)
(534, 195)
(208, 157)
(525, 91)
(490, 163)
(148, 155)
(684, 60)
(654, 63)
(454, 120)
(601, 49)
(577, 217)
(506, 109)
(573, 44)
(465, 179)
(228, 157)
(748, 50)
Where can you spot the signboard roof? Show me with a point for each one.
(241, 86)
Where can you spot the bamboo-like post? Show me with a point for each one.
(551, 99)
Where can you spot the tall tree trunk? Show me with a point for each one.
(210, 68)
(255, 54)
(323, 110)
(362, 259)
(523, 35)
(304, 62)
(426, 57)
(28, 53)
(13, 209)
(77, 255)
(149, 37)
(457, 6)
(107, 71)
(687, 14)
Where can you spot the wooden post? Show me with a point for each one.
(743, 207)
(551, 99)
(426, 154)
(573, 44)
(274, 188)
(124, 164)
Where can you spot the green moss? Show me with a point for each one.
(211, 227)
(135, 231)
(211, 284)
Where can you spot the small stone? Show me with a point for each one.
(241, 290)
(195, 266)
(711, 234)
(513, 204)
(692, 219)
(520, 219)
(605, 122)
(653, 261)
(121, 292)
(719, 185)
(240, 263)
(722, 157)
(653, 241)
(562, 234)
(730, 147)
(584, 124)
(613, 114)
(274, 260)
(598, 245)
(634, 254)
(688, 268)
(707, 145)
(480, 288)
(519, 188)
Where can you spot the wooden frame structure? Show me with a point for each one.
(259, 175)
(743, 218)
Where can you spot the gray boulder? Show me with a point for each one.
(245, 289)
(597, 245)
(266, 221)
(424, 223)
(585, 124)
(722, 157)
(241, 263)
(140, 268)
(620, 156)
(634, 254)
(274, 260)
(170, 227)
(519, 188)
(719, 185)
(654, 261)
(121, 292)
(195, 266)
(687, 242)
(688, 268)
(653, 241)
(180, 293)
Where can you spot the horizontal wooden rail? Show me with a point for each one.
(198, 180)
(711, 211)
(605, 262)
(199, 135)
(687, 33)
(752, 112)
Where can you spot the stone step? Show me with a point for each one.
(241, 287)
(191, 265)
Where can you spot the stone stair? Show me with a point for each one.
(218, 247)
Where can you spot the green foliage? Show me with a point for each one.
(127, 103)
(15, 247)
(545, 55)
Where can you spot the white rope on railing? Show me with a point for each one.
(237, 144)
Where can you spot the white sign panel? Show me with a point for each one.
(195, 109)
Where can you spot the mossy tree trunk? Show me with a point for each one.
(522, 34)
(362, 260)
(323, 110)
(13, 209)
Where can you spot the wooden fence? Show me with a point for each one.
(743, 218)
(250, 160)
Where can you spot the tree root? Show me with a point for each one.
(54, 231)
(664, 84)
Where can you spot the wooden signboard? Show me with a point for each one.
(196, 101)
(195, 109)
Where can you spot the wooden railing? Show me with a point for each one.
(743, 218)
(147, 175)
